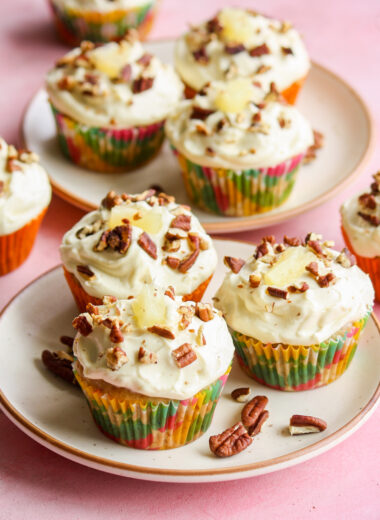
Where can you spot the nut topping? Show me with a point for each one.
(184, 355)
(119, 239)
(164, 332)
(147, 244)
(277, 293)
(373, 220)
(300, 424)
(241, 394)
(170, 292)
(300, 288)
(254, 414)
(181, 222)
(259, 50)
(232, 441)
(187, 312)
(201, 113)
(367, 200)
(141, 84)
(345, 259)
(188, 261)
(111, 200)
(204, 311)
(326, 280)
(316, 247)
(235, 264)
(115, 335)
(172, 262)
(145, 357)
(254, 280)
(312, 268)
(292, 241)
(234, 49)
(86, 272)
(116, 358)
(83, 324)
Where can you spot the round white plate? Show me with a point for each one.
(331, 105)
(56, 415)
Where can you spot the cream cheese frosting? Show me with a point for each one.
(24, 188)
(103, 6)
(156, 374)
(115, 85)
(237, 125)
(232, 45)
(363, 232)
(258, 300)
(124, 273)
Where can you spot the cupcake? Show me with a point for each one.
(241, 43)
(152, 368)
(133, 240)
(101, 20)
(361, 230)
(296, 311)
(110, 103)
(25, 194)
(238, 147)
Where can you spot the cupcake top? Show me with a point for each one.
(24, 188)
(235, 124)
(113, 85)
(295, 293)
(361, 220)
(103, 6)
(153, 344)
(133, 240)
(241, 43)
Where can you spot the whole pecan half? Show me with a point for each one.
(235, 264)
(254, 414)
(184, 355)
(232, 441)
(60, 364)
(146, 243)
(300, 424)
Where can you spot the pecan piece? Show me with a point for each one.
(326, 280)
(254, 414)
(68, 341)
(232, 441)
(261, 250)
(277, 293)
(115, 335)
(83, 324)
(126, 73)
(184, 355)
(181, 222)
(300, 424)
(188, 261)
(204, 311)
(201, 56)
(316, 247)
(300, 288)
(241, 394)
(187, 312)
(254, 280)
(172, 262)
(234, 49)
(312, 268)
(145, 59)
(259, 50)
(201, 113)
(85, 271)
(214, 25)
(270, 239)
(292, 241)
(146, 357)
(164, 332)
(286, 51)
(170, 292)
(60, 364)
(116, 358)
(367, 200)
(371, 219)
(345, 259)
(235, 264)
(141, 84)
(194, 241)
(111, 200)
(146, 243)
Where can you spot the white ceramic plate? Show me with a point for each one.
(331, 105)
(56, 415)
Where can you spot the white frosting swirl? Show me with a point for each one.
(113, 104)
(255, 30)
(164, 379)
(282, 133)
(24, 193)
(122, 275)
(364, 237)
(103, 6)
(305, 318)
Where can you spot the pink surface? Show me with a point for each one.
(34, 482)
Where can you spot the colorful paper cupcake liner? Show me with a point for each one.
(238, 193)
(16, 247)
(74, 25)
(146, 423)
(107, 150)
(371, 266)
(82, 298)
(294, 368)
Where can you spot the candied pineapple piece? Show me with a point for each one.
(236, 25)
(234, 96)
(111, 58)
(289, 267)
(149, 308)
(150, 221)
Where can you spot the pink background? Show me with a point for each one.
(343, 35)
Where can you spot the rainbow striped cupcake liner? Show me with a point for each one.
(153, 424)
(108, 150)
(294, 368)
(74, 25)
(238, 193)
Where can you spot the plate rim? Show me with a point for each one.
(105, 464)
(264, 219)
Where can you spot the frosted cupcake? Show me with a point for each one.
(152, 367)
(296, 311)
(133, 240)
(25, 194)
(241, 43)
(101, 20)
(239, 148)
(361, 230)
(110, 103)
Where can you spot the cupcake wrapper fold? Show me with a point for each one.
(238, 193)
(107, 150)
(74, 25)
(294, 368)
(146, 423)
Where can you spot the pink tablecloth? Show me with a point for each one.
(344, 35)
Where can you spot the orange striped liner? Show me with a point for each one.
(16, 247)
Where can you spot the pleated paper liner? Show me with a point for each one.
(148, 423)
(294, 368)
(74, 24)
(371, 266)
(238, 193)
(82, 298)
(108, 150)
(16, 247)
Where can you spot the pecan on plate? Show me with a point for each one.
(254, 414)
(241, 394)
(300, 424)
(60, 364)
(184, 355)
(232, 441)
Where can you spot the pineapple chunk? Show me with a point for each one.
(236, 25)
(111, 58)
(149, 308)
(289, 267)
(234, 95)
(150, 221)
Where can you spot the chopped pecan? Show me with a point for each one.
(234, 48)
(170, 292)
(254, 414)
(345, 258)
(287, 50)
(214, 25)
(171, 246)
(68, 341)
(146, 357)
(232, 441)
(89, 229)
(1, 187)
(194, 241)
(280, 248)
(108, 299)
(326, 280)
(66, 83)
(254, 280)
(164, 332)
(235, 264)
(210, 151)
(201, 56)
(300, 288)
(184, 355)
(12, 165)
(107, 322)
(256, 118)
(204, 311)
(181, 222)
(373, 220)
(141, 84)
(111, 200)
(270, 239)
(60, 364)
(115, 335)
(119, 239)
(200, 113)
(312, 268)
(172, 262)
(83, 324)
(261, 250)
(188, 261)
(126, 73)
(145, 59)
(261, 70)
(157, 188)
(292, 241)
(85, 271)
(222, 123)
(277, 293)
(316, 247)
(116, 357)
(300, 424)
(201, 128)
(147, 244)
(259, 50)
(241, 394)
(187, 312)
(273, 94)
